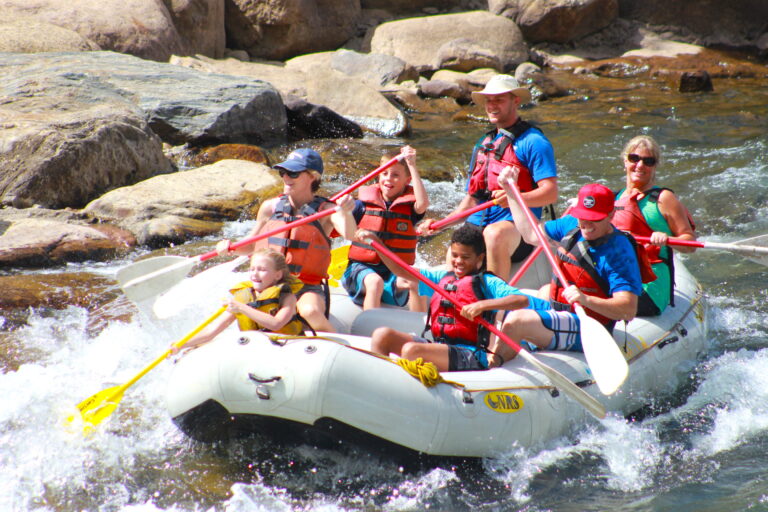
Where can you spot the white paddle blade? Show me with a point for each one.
(566, 386)
(752, 248)
(150, 277)
(208, 288)
(604, 357)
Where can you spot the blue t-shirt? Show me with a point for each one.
(615, 261)
(493, 288)
(534, 151)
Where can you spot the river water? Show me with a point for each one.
(700, 450)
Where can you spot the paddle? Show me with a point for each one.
(603, 355)
(98, 407)
(753, 252)
(439, 224)
(150, 277)
(560, 380)
(339, 261)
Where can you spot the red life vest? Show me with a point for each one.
(629, 217)
(394, 225)
(579, 269)
(494, 152)
(447, 324)
(307, 248)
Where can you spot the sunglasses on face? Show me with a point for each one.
(649, 161)
(291, 174)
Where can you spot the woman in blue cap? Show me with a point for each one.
(307, 248)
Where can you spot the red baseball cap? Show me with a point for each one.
(595, 202)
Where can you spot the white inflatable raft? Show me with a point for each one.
(331, 389)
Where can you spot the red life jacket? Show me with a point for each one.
(579, 269)
(491, 154)
(307, 248)
(629, 217)
(394, 225)
(447, 324)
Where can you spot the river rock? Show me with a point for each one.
(173, 208)
(348, 96)
(456, 41)
(280, 29)
(41, 238)
(736, 23)
(248, 152)
(27, 35)
(200, 24)
(309, 121)
(181, 105)
(557, 21)
(374, 68)
(68, 136)
(143, 28)
(696, 81)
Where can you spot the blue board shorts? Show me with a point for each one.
(352, 281)
(462, 358)
(565, 327)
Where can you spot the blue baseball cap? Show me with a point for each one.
(302, 159)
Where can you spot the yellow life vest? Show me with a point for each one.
(267, 301)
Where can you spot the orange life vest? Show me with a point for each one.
(393, 224)
(307, 248)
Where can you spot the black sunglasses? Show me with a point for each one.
(650, 161)
(291, 174)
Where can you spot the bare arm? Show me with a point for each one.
(506, 178)
(366, 237)
(273, 323)
(265, 212)
(342, 219)
(208, 333)
(422, 200)
(677, 217)
(621, 306)
(512, 301)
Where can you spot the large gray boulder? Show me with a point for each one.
(200, 24)
(319, 84)
(71, 140)
(157, 213)
(735, 23)
(558, 21)
(27, 35)
(139, 27)
(280, 29)
(453, 41)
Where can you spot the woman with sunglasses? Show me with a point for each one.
(645, 209)
(307, 248)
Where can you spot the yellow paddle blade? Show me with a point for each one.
(339, 261)
(95, 409)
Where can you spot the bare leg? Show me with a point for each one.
(501, 240)
(524, 324)
(386, 340)
(374, 287)
(436, 353)
(311, 306)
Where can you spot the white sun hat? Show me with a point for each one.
(499, 84)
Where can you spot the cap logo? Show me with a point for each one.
(588, 202)
(295, 155)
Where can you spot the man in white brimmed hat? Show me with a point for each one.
(511, 142)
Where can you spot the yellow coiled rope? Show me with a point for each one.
(426, 372)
